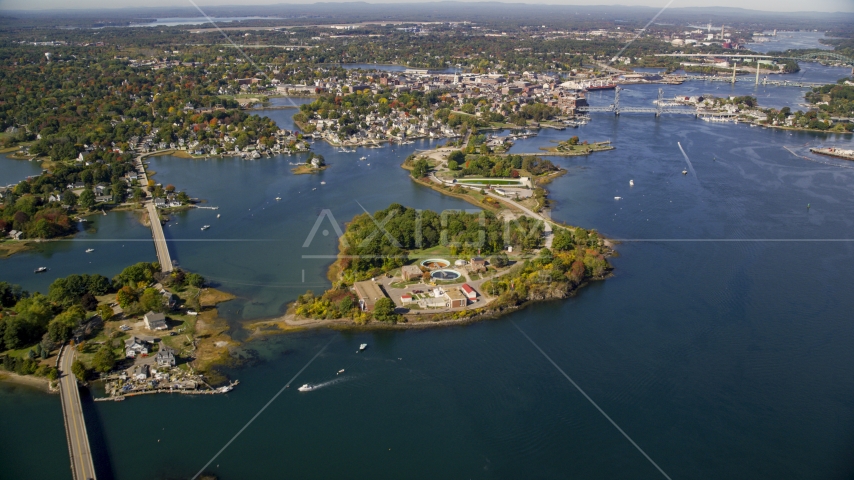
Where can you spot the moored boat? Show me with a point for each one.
(40, 270)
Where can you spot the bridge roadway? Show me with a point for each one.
(82, 467)
(159, 239)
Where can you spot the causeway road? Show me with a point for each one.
(159, 239)
(82, 467)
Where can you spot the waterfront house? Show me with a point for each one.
(410, 272)
(169, 298)
(165, 357)
(368, 292)
(155, 321)
(405, 299)
(135, 346)
(140, 372)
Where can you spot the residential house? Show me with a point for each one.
(135, 346)
(155, 321)
(140, 372)
(165, 357)
(169, 299)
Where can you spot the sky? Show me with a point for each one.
(766, 5)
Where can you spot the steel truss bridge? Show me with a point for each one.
(809, 57)
(661, 107)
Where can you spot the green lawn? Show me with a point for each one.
(489, 182)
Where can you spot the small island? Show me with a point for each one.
(313, 164)
(429, 268)
(573, 146)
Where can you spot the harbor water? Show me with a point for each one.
(722, 346)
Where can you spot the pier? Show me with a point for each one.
(82, 467)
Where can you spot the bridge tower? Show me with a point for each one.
(660, 104)
(733, 72)
(617, 100)
(757, 71)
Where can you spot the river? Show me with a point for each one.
(722, 345)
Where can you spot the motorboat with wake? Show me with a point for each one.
(306, 388)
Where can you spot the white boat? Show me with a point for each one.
(323, 183)
(205, 227)
(618, 198)
(278, 198)
(362, 347)
(90, 250)
(363, 158)
(306, 388)
(226, 389)
(684, 172)
(340, 372)
(217, 215)
(631, 183)
(40, 270)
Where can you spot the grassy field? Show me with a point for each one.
(489, 182)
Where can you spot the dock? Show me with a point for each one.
(82, 466)
(212, 391)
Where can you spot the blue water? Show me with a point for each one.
(13, 170)
(119, 240)
(790, 41)
(768, 96)
(722, 345)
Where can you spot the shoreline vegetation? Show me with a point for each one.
(498, 283)
(103, 316)
(572, 147)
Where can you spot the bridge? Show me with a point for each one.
(765, 81)
(159, 239)
(822, 57)
(661, 107)
(160, 246)
(82, 467)
(809, 57)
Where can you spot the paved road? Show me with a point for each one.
(82, 467)
(159, 239)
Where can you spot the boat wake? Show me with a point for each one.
(690, 167)
(318, 386)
